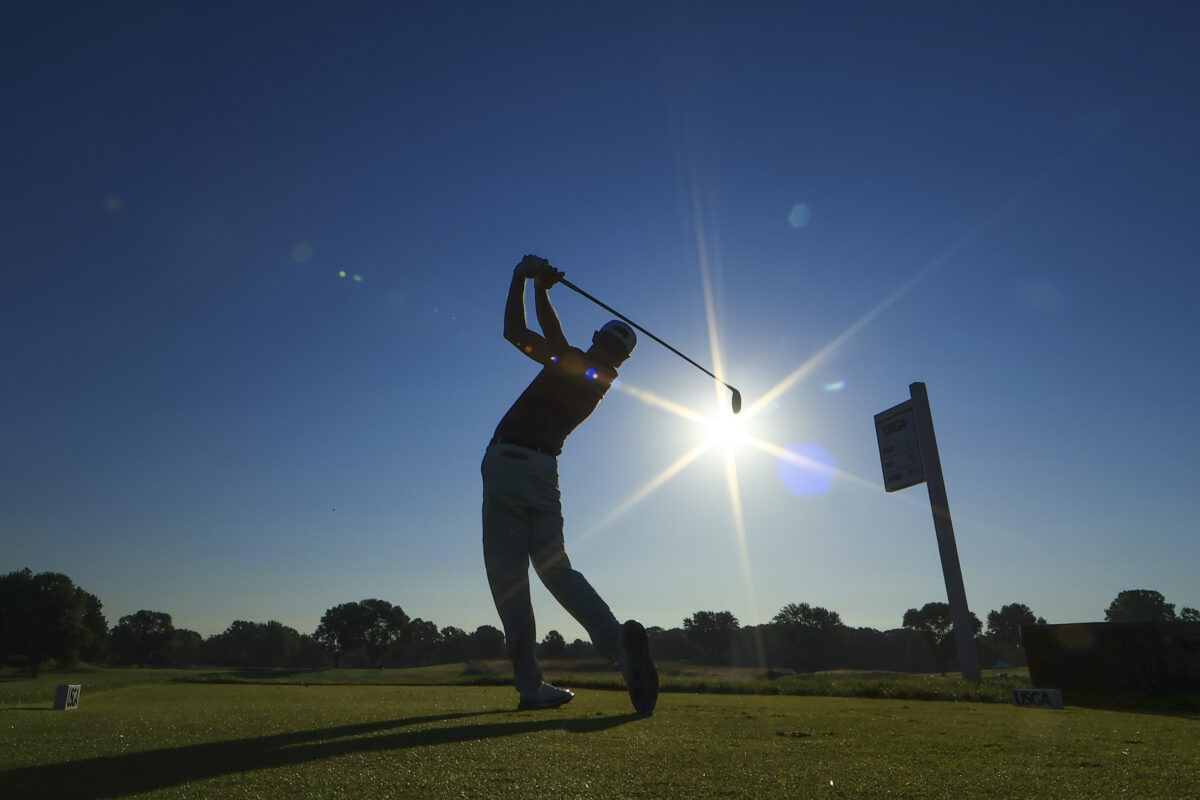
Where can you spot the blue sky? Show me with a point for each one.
(823, 202)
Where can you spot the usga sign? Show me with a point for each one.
(899, 449)
(1038, 698)
(66, 697)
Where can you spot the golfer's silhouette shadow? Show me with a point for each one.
(153, 770)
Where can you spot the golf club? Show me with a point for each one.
(737, 396)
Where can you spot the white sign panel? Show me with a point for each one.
(899, 452)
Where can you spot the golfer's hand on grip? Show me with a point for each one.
(532, 266)
(547, 277)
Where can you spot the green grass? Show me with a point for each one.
(17, 688)
(995, 688)
(201, 740)
(439, 675)
(676, 678)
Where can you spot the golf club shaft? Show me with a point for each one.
(737, 396)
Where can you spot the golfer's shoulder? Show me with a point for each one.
(572, 359)
(575, 365)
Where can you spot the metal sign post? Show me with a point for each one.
(909, 455)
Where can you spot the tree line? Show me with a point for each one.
(45, 618)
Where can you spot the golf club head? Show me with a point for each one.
(737, 400)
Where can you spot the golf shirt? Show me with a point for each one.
(563, 394)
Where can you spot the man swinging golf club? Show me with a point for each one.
(522, 513)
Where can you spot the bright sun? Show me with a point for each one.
(724, 430)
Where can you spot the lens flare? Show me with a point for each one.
(799, 215)
(806, 469)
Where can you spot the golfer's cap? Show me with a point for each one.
(623, 333)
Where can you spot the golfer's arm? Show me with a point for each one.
(548, 321)
(516, 330)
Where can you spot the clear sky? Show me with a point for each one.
(255, 257)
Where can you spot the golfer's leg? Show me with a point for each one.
(506, 558)
(568, 586)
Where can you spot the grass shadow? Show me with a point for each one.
(248, 674)
(154, 770)
(28, 708)
(1180, 705)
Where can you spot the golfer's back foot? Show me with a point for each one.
(545, 696)
(641, 676)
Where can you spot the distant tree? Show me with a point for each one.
(870, 649)
(254, 644)
(713, 632)
(454, 646)
(804, 635)
(311, 654)
(276, 644)
(553, 646)
(421, 644)
(218, 650)
(384, 626)
(46, 616)
(934, 623)
(340, 630)
(673, 644)
(240, 644)
(580, 650)
(1189, 615)
(1005, 625)
(802, 615)
(372, 625)
(185, 647)
(1140, 605)
(749, 646)
(94, 643)
(487, 642)
(15, 591)
(143, 639)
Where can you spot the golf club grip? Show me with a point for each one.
(611, 310)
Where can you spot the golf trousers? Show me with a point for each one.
(523, 524)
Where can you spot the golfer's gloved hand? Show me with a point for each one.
(532, 266)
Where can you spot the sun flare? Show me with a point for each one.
(725, 430)
(804, 468)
